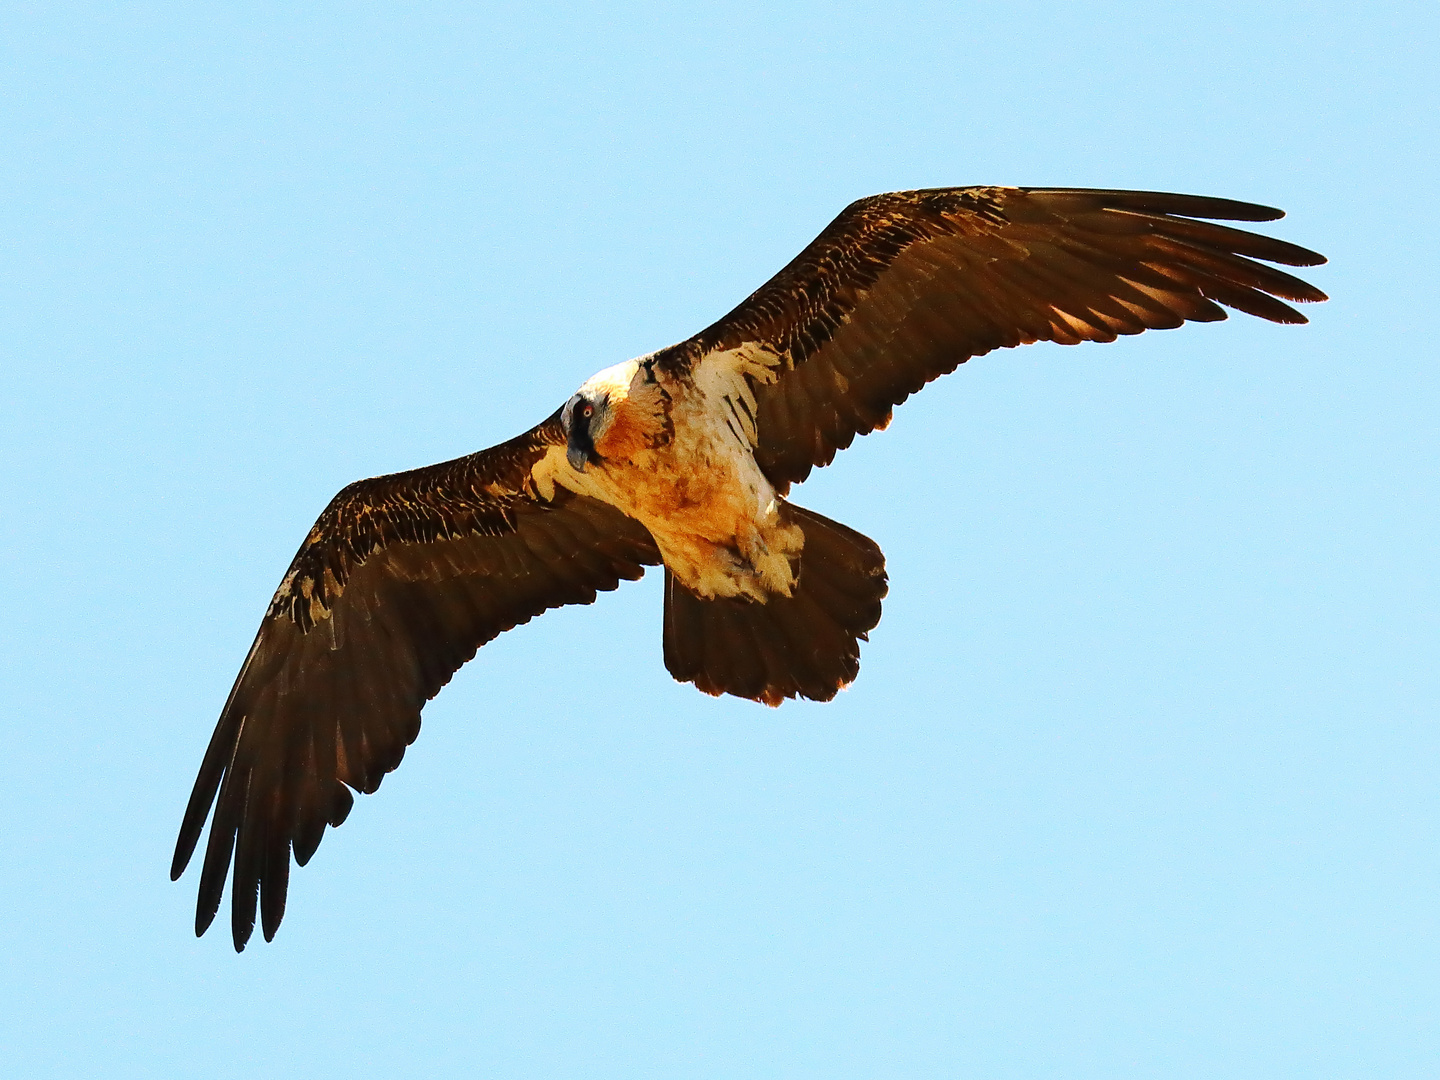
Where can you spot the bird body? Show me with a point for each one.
(676, 453)
(684, 457)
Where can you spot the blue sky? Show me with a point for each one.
(1139, 775)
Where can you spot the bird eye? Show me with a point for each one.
(588, 411)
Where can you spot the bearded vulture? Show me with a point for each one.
(683, 458)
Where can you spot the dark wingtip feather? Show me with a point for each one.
(244, 895)
(343, 804)
(273, 889)
(1303, 256)
(204, 916)
(213, 871)
(181, 858)
(307, 839)
(207, 782)
(1199, 206)
(190, 829)
(1169, 202)
(1252, 301)
(242, 921)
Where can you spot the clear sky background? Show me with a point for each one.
(1140, 775)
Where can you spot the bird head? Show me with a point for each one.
(585, 418)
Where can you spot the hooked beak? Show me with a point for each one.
(576, 455)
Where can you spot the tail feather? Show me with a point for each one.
(804, 645)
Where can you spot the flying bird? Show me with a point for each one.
(683, 458)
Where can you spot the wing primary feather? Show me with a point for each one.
(249, 860)
(218, 757)
(341, 803)
(274, 885)
(1240, 271)
(1222, 238)
(1252, 302)
(1163, 202)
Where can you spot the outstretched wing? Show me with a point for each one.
(401, 579)
(903, 287)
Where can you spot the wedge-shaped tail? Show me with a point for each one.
(806, 645)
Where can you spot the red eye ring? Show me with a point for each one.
(588, 411)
